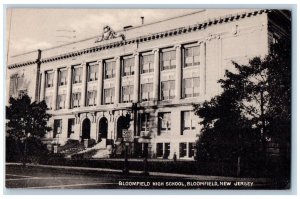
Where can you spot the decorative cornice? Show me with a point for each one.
(146, 38)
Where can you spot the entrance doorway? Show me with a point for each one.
(86, 129)
(123, 123)
(103, 125)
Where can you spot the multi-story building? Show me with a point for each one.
(143, 79)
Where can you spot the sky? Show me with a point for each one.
(30, 29)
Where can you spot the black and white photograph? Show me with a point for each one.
(154, 99)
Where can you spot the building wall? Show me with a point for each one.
(237, 40)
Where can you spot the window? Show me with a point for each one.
(76, 99)
(191, 87)
(163, 150)
(191, 56)
(16, 84)
(168, 60)
(159, 149)
(182, 149)
(49, 79)
(62, 77)
(109, 69)
(189, 120)
(145, 122)
(146, 91)
(191, 149)
(167, 150)
(147, 63)
(77, 75)
(92, 71)
(109, 95)
(92, 96)
(167, 90)
(128, 67)
(61, 101)
(127, 93)
(57, 127)
(71, 125)
(48, 100)
(164, 121)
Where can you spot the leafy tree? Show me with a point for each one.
(26, 123)
(279, 112)
(253, 108)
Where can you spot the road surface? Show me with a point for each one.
(47, 177)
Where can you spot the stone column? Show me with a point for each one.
(42, 94)
(55, 89)
(100, 83)
(118, 80)
(69, 87)
(83, 92)
(178, 72)
(202, 68)
(156, 75)
(136, 77)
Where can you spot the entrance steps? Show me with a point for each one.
(97, 151)
(102, 153)
(99, 145)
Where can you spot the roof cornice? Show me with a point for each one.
(145, 38)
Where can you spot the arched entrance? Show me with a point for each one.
(86, 129)
(123, 123)
(102, 132)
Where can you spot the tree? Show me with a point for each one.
(250, 111)
(26, 123)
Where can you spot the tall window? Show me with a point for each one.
(191, 149)
(191, 56)
(77, 75)
(71, 126)
(145, 122)
(76, 99)
(167, 90)
(186, 149)
(49, 79)
(191, 87)
(61, 101)
(164, 122)
(146, 91)
(109, 69)
(167, 150)
(109, 95)
(168, 60)
(159, 149)
(57, 127)
(16, 84)
(127, 93)
(128, 67)
(182, 149)
(91, 96)
(189, 120)
(147, 63)
(48, 100)
(92, 71)
(62, 77)
(163, 150)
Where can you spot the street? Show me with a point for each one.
(46, 177)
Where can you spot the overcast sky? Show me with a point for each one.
(31, 29)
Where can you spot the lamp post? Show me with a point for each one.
(145, 172)
(126, 170)
(25, 148)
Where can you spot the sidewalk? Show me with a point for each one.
(157, 174)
